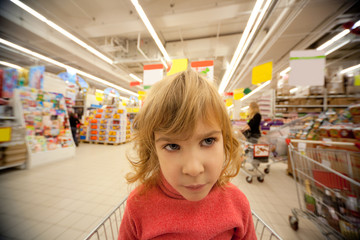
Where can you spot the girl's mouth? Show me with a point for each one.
(196, 187)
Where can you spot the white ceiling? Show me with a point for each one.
(193, 29)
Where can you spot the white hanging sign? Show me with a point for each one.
(307, 68)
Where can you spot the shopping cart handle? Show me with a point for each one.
(288, 141)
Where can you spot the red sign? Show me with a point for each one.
(136, 83)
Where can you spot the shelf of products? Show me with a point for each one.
(312, 104)
(13, 151)
(44, 116)
(108, 125)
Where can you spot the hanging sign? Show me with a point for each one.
(152, 74)
(142, 95)
(357, 80)
(99, 96)
(135, 83)
(36, 77)
(10, 80)
(247, 90)
(238, 93)
(178, 65)
(83, 84)
(206, 68)
(228, 102)
(307, 68)
(262, 73)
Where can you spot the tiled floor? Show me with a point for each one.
(67, 199)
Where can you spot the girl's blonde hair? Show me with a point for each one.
(173, 106)
(253, 109)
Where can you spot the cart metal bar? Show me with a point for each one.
(323, 142)
(102, 230)
(327, 186)
(97, 234)
(264, 228)
(325, 167)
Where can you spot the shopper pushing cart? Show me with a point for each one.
(328, 188)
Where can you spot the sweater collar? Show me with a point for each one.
(167, 189)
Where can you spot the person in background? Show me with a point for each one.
(74, 121)
(252, 129)
(186, 155)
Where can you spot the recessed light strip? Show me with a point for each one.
(62, 31)
(10, 65)
(350, 69)
(337, 37)
(135, 77)
(245, 40)
(37, 55)
(150, 28)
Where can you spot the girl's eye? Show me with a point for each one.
(172, 147)
(208, 141)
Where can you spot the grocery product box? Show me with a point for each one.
(335, 88)
(316, 90)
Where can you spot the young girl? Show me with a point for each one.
(252, 128)
(186, 158)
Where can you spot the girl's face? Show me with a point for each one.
(192, 166)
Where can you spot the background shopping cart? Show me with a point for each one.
(253, 156)
(109, 227)
(328, 189)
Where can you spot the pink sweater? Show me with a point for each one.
(162, 213)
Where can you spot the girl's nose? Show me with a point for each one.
(193, 165)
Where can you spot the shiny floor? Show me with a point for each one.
(66, 200)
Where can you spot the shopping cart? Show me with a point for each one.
(328, 188)
(109, 227)
(253, 156)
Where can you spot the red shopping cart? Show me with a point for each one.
(328, 188)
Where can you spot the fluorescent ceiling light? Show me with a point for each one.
(113, 95)
(350, 69)
(285, 71)
(246, 37)
(244, 108)
(337, 47)
(164, 63)
(150, 29)
(59, 64)
(62, 31)
(135, 77)
(255, 90)
(10, 65)
(334, 39)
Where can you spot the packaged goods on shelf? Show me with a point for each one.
(335, 88)
(339, 126)
(107, 125)
(46, 120)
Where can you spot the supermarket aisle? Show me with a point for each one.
(67, 199)
(64, 200)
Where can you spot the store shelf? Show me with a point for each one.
(315, 96)
(339, 106)
(295, 106)
(11, 143)
(12, 165)
(77, 106)
(7, 118)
